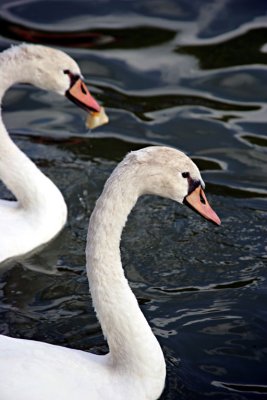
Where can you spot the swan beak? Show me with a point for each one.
(198, 201)
(80, 95)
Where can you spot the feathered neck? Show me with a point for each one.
(131, 342)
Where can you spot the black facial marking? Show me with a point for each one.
(202, 199)
(82, 88)
(73, 77)
(192, 184)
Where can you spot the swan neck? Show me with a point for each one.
(14, 69)
(31, 188)
(130, 339)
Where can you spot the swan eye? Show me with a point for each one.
(66, 71)
(185, 174)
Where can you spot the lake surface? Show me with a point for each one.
(192, 76)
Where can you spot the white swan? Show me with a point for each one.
(40, 210)
(134, 368)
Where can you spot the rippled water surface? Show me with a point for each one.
(191, 75)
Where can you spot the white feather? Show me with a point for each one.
(39, 211)
(134, 368)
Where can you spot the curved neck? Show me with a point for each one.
(14, 68)
(20, 175)
(130, 339)
(31, 187)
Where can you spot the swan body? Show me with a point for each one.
(134, 368)
(39, 211)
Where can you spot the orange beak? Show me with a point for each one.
(80, 95)
(198, 201)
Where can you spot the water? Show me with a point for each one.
(191, 76)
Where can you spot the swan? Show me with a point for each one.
(134, 368)
(39, 211)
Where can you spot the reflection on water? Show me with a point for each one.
(243, 49)
(254, 140)
(192, 76)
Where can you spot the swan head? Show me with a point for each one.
(170, 173)
(53, 70)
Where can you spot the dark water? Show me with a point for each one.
(192, 76)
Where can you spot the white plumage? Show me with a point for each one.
(134, 368)
(39, 211)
